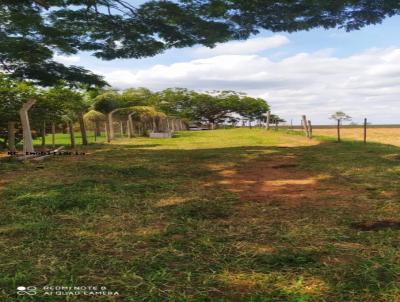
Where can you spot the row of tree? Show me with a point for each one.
(138, 111)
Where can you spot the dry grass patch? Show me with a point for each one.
(380, 135)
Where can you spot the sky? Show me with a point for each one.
(316, 73)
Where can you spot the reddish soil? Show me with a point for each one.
(278, 179)
(377, 225)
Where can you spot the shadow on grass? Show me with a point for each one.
(167, 225)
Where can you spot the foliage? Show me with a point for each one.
(340, 117)
(175, 101)
(107, 101)
(283, 15)
(33, 30)
(94, 116)
(59, 102)
(212, 107)
(276, 119)
(137, 96)
(143, 113)
(12, 95)
(252, 108)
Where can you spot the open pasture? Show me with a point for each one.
(389, 135)
(224, 215)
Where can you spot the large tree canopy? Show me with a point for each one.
(31, 31)
(290, 15)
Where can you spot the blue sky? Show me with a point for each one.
(316, 72)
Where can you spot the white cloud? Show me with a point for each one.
(317, 84)
(68, 60)
(251, 46)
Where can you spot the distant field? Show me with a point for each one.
(388, 135)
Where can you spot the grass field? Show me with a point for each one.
(380, 135)
(225, 215)
(65, 140)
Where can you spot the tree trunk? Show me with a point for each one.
(98, 130)
(26, 128)
(53, 135)
(43, 133)
(121, 129)
(338, 130)
(107, 128)
(11, 136)
(83, 129)
(72, 134)
(268, 119)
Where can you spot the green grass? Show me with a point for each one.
(63, 139)
(150, 218)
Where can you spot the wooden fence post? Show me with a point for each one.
(309, 129)
(305, 126)
(365, 131)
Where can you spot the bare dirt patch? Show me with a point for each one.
(279, 179)
(377, 225)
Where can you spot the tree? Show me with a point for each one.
(252, 108)
(13, 96)
(284, 15)
(107, 103)
(33, 30)
(47, 110)
(137, 96)
(96, 118)
(175, 102)
(145, 115)
(74, 106)
(213, 109)
(339, 117)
